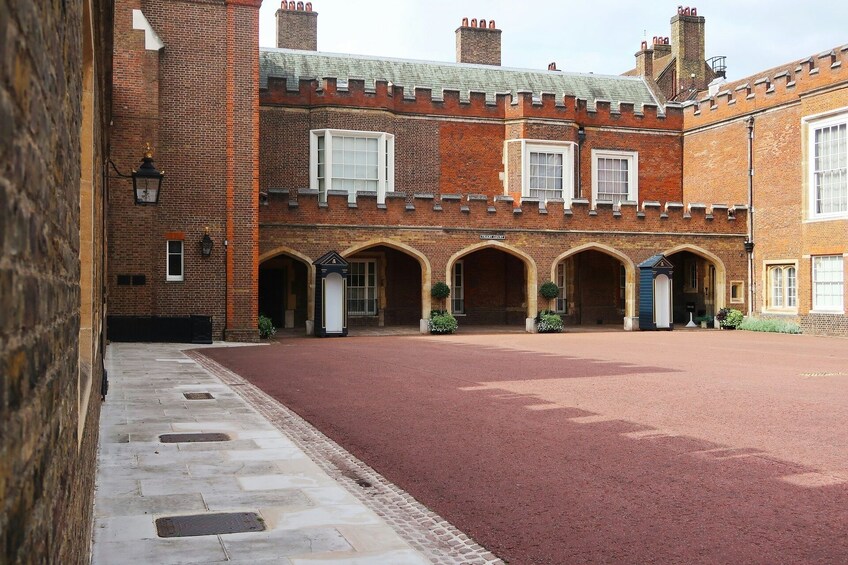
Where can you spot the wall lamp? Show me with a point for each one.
(147, 179)
(581, 134)
(206, 244)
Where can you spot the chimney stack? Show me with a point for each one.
(478, 42)
(645, 61)
(297, 26)
(687, 45)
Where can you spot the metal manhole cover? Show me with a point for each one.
(209, 524)
(192, 438)
(198, 396)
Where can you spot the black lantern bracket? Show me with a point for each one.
(206, 244)
(147, 179)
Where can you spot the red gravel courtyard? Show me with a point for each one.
(645, 447)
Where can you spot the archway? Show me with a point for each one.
(699, 284)
(386, 284)
(286, 293)
(597, 286)
(493, 284)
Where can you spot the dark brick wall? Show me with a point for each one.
(478, 45)
(197, 102)
(297, 29)
(47, 467)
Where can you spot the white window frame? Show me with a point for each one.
(561, 305)
(168, 276)
(370, 299)
(771, 269)
(632, 158)
(740, 296)
(565, 149)
(817, 306)
(814, 123)
(458, 288)
(385, 161)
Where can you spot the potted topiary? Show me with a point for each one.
(441, 321)
(729, 318)
(548, 321)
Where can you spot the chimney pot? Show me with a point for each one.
(464, 22)
(309, 6)
(300, 6)
(473, 22)
(284, 5)
(483, 24)
(694, 11)
(291, 5)
(492, 24)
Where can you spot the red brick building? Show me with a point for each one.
(491, 179)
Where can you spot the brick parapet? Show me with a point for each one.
(313, 93)
(302, 207)
(771, 89)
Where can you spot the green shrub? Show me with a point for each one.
(729, 317)
(548, 322)
(549, 290)
(441, 322)
(440, 290)
(770, 325)
(266, 327)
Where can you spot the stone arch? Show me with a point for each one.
(310, 276)
(721, 270)
(629, 273)
(426, 271)
(530, 264)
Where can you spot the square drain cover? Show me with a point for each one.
(209, 524)
(191, 438)
(198, 395)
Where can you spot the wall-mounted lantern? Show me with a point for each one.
(206, 244)
(147, 180)
(581, 134)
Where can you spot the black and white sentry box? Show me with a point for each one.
(655, 293)
(331, 275)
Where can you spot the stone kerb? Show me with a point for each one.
(476, 211)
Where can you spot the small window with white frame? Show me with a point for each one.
(828, 283)
(615, 176)
(362, 288)
(547, 170)
(782, 287)
(828, 167)
(353, 161)
(174, 261)
(458, 290)
(561, 300)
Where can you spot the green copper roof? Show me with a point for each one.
(295, 65)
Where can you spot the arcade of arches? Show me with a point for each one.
(491, 284)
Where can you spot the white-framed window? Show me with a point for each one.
(828, 167)
(828, 283)
(354, 161)
(362, 288)
(547, 170)
(174, 260)
(782, 287)
(615, 176)
(458, 290)
(561, 301)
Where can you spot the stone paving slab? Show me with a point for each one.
(314, 513)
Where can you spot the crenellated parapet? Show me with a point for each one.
(463, 211)
(770, 89)
(381, 95)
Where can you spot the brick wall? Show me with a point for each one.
(196, 101)
(478, 43)
(297, 29)
(715, 167)
(54, 112)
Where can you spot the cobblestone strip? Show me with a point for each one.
(424, 530)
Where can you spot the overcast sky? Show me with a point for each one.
(579, 35)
